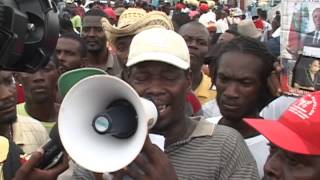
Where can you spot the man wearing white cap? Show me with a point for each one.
(294, 141)
(158, 67)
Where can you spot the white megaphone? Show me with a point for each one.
(103, 123)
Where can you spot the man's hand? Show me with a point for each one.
(150, 164)
(28, 170)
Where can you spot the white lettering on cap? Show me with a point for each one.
(304, 108)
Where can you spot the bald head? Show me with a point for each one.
(192, 25)
(197, 38)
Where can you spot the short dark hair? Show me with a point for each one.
(96, 12)
(179, 19)
(230, 31)
(76, 37)
(65, 24)
(256, 48)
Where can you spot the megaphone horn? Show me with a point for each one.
(103, 123)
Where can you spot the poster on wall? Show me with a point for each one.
(300, 46)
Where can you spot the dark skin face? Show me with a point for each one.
(167, 86)
(93, 34)
(8, 95)
(285, 165)
(68, 54)
(122, 45)
(238, 85)
(197, 39)
(40, 86)
(316, 18)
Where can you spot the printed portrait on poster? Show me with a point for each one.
(306, 73)
(300, 46)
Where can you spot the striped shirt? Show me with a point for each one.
(212, 152)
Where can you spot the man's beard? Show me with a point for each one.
(96, 49)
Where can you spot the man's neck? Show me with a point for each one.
(196, 80)
(179, 132)
(98, 58)
(243, 128)
(46, 112)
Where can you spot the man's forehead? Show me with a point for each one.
(67, 43)
(244, 63)
(190, 29)
(92, 21)
(316, 12)
(5, 75)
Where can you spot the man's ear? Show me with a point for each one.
(17, 77)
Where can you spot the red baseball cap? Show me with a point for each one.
(180, 6)
(298, 129)
(204, 7)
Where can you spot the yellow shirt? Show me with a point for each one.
(4, 144)
(21, 110)
(204, 92)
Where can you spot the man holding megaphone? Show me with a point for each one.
(158, 68)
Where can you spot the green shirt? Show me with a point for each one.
(76, 22)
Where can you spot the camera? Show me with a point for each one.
(29, 30)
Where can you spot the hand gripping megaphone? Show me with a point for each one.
(103, 123)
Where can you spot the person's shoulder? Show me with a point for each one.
(28, 122)
(226, 132)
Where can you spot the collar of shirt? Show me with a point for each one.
(203, 128)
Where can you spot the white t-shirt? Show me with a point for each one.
(211, 109)
(275, 109)
(206, 18)
(222, 25)
(258, 146)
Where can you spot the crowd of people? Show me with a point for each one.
(211, 71)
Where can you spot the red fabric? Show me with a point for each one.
(193, 100)
(259, 24)
(297, 130)
(110, 12)
(78, 10)
(204, 7)
(180, 6)
(20, 94)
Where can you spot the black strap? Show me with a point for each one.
(12, 163)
